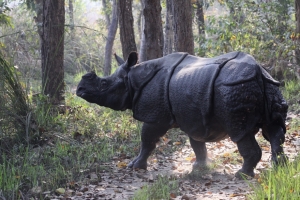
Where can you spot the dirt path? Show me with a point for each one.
(116, 182)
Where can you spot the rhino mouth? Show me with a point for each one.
(81, 92)
(83, 95)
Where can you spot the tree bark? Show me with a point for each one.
(71, 15)
(126, 27)
(106, 13)
(200, 25)
(283, 16)
(71, 22)
(39, 17)
(52, 50)
(183, 31)
(142, 53)
(169, 33)
(297, 37)
(110, 39)
(152, 30)
(140, 18)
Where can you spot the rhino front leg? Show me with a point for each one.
(200, 152)
(150, 136)
(251, 153)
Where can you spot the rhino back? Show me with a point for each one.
(191, 94)
(213, 95)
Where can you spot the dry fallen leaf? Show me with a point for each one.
(122, 165)
(226, 155)
(207, 184)
(266, 148)
(191, 159)
(60, 191)
(172, 195)
(235, 195)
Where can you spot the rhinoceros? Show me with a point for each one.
(208, 98)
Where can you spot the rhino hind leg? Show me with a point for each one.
(275, 135)
(200, 152)
(150, 136)
(251, 153)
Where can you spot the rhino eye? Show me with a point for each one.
(104, 84)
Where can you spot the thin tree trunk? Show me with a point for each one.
(139, 25)
(152, 30)
(71, 15)
(106, 13)
(297, 37)
(126, 27)
(200, 23)
(169, 33)
(39, 17)
(142, 53)
(110, 39)
(53, 50)
(183, 31)
(283, 17)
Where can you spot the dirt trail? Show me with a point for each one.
(117, 182)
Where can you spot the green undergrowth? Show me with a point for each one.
(163, 188)
(72, 144)
(279, 183)
(291, 93)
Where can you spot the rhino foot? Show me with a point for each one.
(280, 160)
(201, 164)
(137, 164)
(244, 175)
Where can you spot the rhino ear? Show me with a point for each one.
(119, 60)
(132, 59)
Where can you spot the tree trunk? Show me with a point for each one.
(297, 38)
(106, 13)
(139, 25)
(183, 31)
(283, 16)
(200, 25)
(169, 33)
(71, 15)
(152, 30)
(142, 53)
(52, 50)
(126, 27)
(110, 39)
(39, 17)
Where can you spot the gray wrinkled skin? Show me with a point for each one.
(207, 98)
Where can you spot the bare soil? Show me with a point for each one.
(117, 182)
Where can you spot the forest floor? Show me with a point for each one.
(217, 182)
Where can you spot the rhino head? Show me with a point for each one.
(111, 91)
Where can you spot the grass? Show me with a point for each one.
(70, 145)
(163, 188)
(291, 94)
(279, 183)
(15, 110)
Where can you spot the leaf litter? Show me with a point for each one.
(219, 182)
